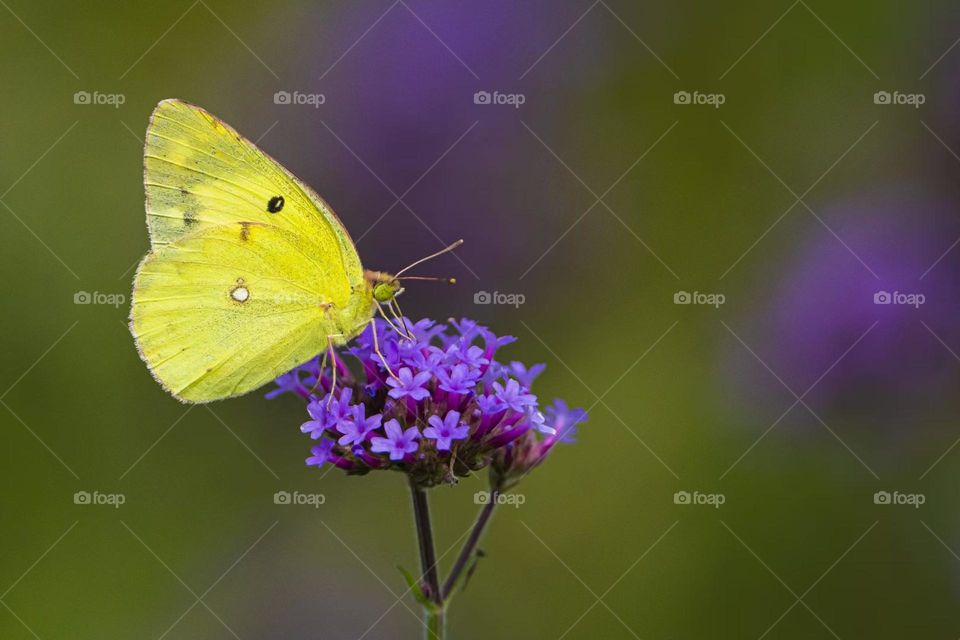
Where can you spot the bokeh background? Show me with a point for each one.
(599, 199)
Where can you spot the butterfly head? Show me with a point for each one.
(386, 287)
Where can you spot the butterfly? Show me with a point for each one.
(250, 273)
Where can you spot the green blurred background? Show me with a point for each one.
(681, 397)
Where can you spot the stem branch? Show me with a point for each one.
(469, 548)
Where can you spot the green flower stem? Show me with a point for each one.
(433, 611)
(435, 620)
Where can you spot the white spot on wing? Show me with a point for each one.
(240, 294)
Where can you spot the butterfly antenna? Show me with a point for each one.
(429, 279)
(430, 257)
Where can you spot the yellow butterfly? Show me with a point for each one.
(250, 272)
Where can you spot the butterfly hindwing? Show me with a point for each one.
(223, 311)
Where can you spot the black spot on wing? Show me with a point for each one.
(275, 204)
(190, 206)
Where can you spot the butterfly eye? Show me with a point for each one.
(275, 204)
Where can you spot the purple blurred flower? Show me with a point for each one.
(299, 381)
(526, 376)
(293, 383)
(564, 420)
(829, 323)
(528, 449)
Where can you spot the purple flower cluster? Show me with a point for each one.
(434, 404)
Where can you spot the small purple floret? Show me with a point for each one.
(408, 385)
(446, 430)
(321, 453)
(513, 396)
(358, 428)
(398, 442)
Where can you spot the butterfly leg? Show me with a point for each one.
(333, 366)
(317, 384)
(383, 314)
(376, 348)
(323, 361)
(397, 313)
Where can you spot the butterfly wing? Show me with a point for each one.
(224, 310)
(199, 172)
(227, 221)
